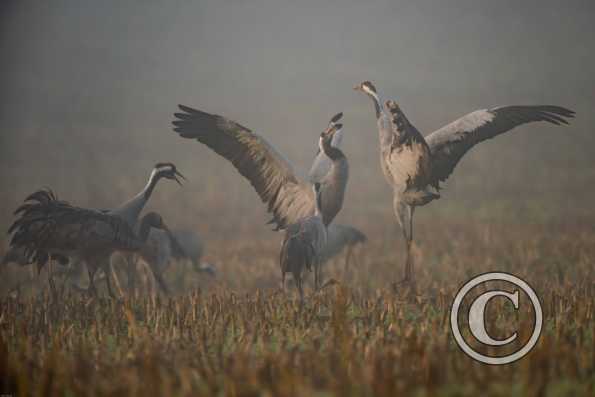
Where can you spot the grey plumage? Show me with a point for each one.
(340, 237)
(130, 211)
(451, 142)
(163, 246)
(321, 165)
(302, 246)
(414, 166)
(288, 198)
(194, 249)
(47, 225)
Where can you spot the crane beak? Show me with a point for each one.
(336, 117)
(179, 174)
(333, 129)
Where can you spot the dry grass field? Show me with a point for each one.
(240, 335)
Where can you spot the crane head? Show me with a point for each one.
(367, 88)
(169, 171)
(326, 136)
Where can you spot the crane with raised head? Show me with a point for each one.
(288, 198)
(339, 236)
(414, 165)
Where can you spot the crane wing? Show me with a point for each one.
(46, 225)
(451, 142)
(288, 198)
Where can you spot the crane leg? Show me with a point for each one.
(298, 283)
(51, 278)
(161, 282)
(91, 269)
(404, 215)
(130, 262)
(347, 258)
(107, 270)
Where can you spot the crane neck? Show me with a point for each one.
(147, 222)
(318, 209)
(150, 186)
(332, 152)
(377, 103)
(132, 208)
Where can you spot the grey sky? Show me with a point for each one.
(88, 87)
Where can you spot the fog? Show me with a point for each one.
(88, 90)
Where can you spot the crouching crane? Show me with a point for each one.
(164, 246)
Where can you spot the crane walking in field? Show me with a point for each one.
(47, 227)
(289, 199)
(302, 246)
(414, 166)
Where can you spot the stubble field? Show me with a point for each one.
(240, 335)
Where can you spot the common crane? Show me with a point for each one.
(288, 198)
(129, 211)
(339, 236)
(303, 244)
(414, 166)
(47, 226)
(163, 246)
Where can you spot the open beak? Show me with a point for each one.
(336, 117)
(179, 174)
(334, 128)
(330, 131)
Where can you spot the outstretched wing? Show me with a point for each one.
(288, 198)
(451, 142)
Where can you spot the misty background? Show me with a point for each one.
(88, 89)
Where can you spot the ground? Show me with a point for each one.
(241, 335)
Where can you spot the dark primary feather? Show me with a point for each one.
(451, 142)
(288, 199)
(46, 225)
